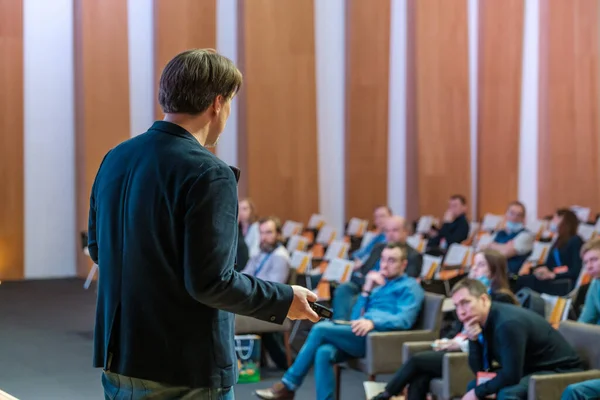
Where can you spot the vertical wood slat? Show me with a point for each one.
(101, 94)
(12, 218)
(442, 102)
(367, 86)
(500, 63)
(569, 157)
(278, 138)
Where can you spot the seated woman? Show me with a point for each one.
(248, 225)
(490, 267)
(564, 259)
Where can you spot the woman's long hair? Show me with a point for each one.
(567, 227)
(498, 266)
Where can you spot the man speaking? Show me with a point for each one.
(163, 231)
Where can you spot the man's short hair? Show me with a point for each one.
(388, 209)
(193, 79)
(460, 198)
(275, 220)
(518, 204)
(592, 244)
(403, 247)
(474, 286)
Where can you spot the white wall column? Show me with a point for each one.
(397, 107)
(330, 59)
(227, 31)
(49, 139)
(142, 98)
(473, 18)
(528, 142)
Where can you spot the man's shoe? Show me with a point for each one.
(277, 392)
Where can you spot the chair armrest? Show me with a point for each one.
(384, 349)
(456, 374)
(550, 386)
(411, 348)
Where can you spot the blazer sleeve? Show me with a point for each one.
(92, 239)
(210, 244)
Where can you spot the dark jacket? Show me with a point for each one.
(523, 343)
(454, 232)
(457, 326)
(163, 230)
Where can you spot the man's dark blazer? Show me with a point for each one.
(163, 230)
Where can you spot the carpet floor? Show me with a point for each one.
(46, 346)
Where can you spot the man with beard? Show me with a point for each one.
(272, 264)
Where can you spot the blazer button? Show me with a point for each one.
(272, 318)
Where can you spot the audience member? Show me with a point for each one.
(390, 301)
(489, 268)
(272, 264)
(520, 341)
(590, 252)
(564, 259)
(586, 390)
(380, 215)
(455, 227)
(247, 220)
(344, 296)
(514, 241)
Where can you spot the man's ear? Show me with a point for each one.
(218, 103)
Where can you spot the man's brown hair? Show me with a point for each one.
(403, 247)
(592, 244)
(193, 79)
(475, 287)
(275, 220)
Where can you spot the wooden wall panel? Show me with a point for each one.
(367, 91)
(278, 107)
(181, 25)
(500, 64)
(101, 94)
(11, 141)
(442, 102)
(569, 159)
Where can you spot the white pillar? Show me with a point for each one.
(227, 31)
(397, 172)
(330, 59)
(473, 17)
(142, 97)
(528, 140)
(49, 139)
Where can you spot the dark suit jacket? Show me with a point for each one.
(163, 230)
(523, 343)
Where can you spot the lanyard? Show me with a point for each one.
(556, 257)
(486, 361)
(262, 263)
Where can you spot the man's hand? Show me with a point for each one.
(472, 329)
(300, 309)
(448, 216)
(357, 264)
(373, 279)
(361, 327)
(543, 273)
(470, 395)
(447, 345)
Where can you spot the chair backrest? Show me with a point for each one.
(584, 338)
(430, 317)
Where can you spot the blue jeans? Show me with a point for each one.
(327, 344)
(120, 387)
(586, 390)
(344, 299)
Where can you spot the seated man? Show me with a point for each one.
(455, 228)
(514, 240)
(272, 264)
(380, 214)
(522, 342)
(344, 296)
(390, 301)
(590, 252)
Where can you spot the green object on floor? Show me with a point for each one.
(247, 348)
